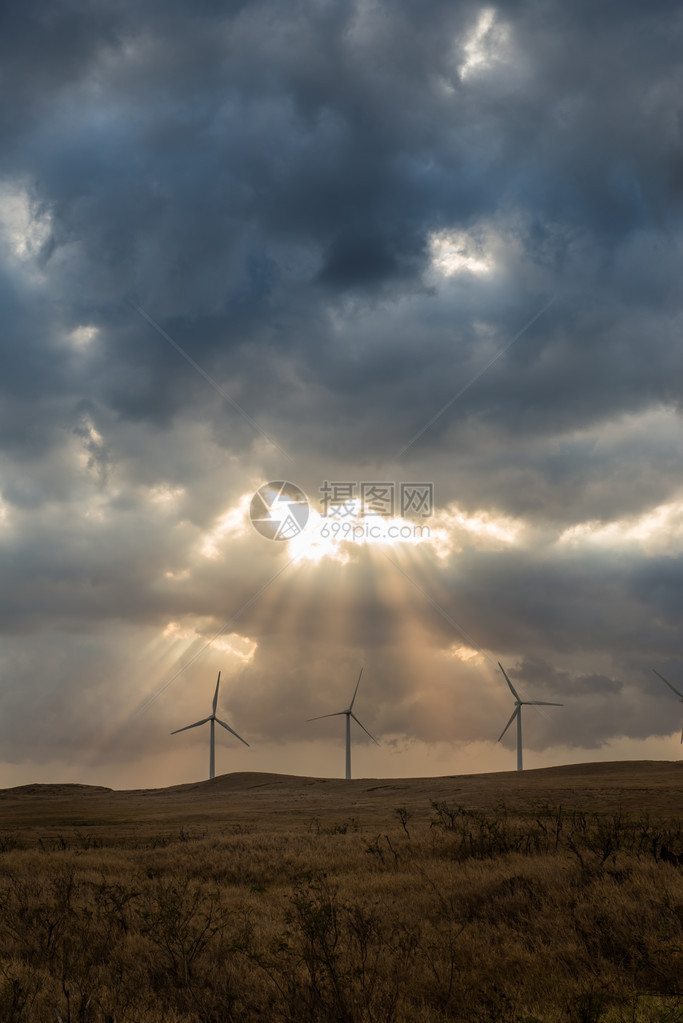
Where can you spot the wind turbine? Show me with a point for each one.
(213, 719)
(673, 689)
(349, 714)
(517, 713)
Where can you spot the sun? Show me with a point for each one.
(345, 527)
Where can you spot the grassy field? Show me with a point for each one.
(554, 895)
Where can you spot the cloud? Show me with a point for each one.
(342, 212)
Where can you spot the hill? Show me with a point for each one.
(634, 787)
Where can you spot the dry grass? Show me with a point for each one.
(419, 910)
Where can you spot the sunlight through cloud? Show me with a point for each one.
(455, 252)
(82, 337)
(24, 229)
(233, 523)
(660, 529)
(240, 647)
(334, 535)
(487, 45)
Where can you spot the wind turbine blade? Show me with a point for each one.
(337, 714)
(364, 729)
(355, 691)
(215, 695)
(673, 689)
(514, 691)
(540, 703)
(514, 715)
(195, 725)
(232, 731)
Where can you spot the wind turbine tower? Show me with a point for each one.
(673, 690)
(213, 719)
(349, 714)
(517, 713)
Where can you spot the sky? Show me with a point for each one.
(339, 244)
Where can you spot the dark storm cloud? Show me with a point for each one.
(239, 170)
